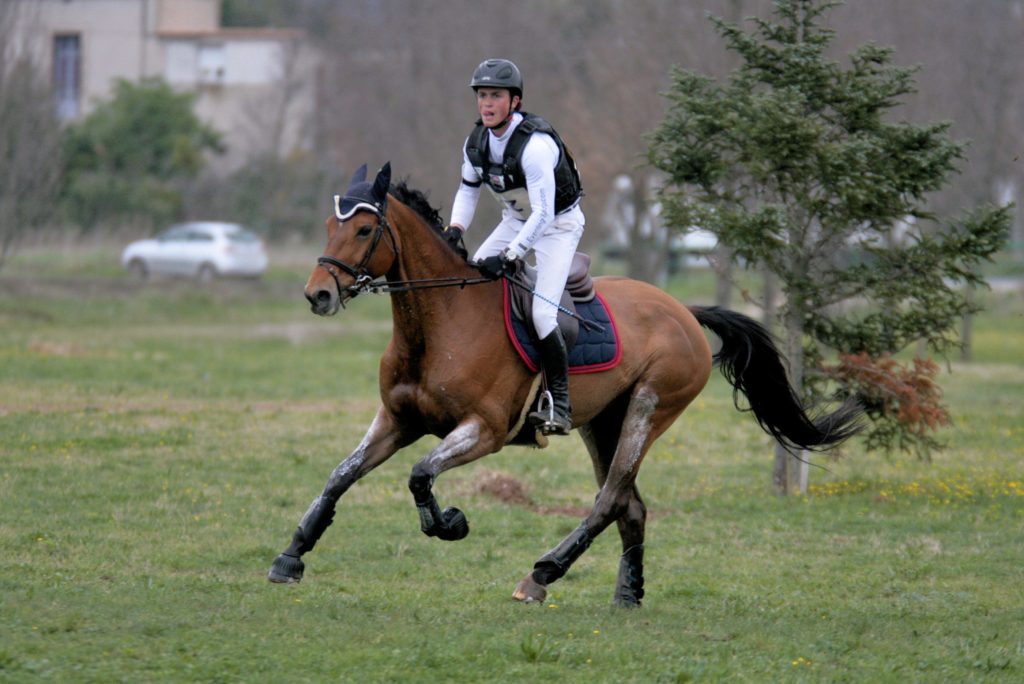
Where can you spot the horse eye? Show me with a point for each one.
(364, 231)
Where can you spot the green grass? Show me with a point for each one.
(158, 444)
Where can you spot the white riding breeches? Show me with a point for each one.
(553, 253)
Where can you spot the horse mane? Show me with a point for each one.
(417, 200)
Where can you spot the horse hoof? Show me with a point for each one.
(530, 591)
(456, 526)
(286, 569)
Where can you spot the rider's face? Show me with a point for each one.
(495, 105)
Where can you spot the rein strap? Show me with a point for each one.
(388, 286)
(364, 283)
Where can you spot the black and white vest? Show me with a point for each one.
(508, 175)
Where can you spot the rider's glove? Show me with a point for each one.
(453, 235)
(494, 267)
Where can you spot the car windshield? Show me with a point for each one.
(242, 236)
(174, 233)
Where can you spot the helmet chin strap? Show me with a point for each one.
(504, 122)
(507, 119)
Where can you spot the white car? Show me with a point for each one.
(200, 249)
(694, 246)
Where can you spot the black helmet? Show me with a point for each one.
(498, 73)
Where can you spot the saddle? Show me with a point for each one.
(579, 289)
(593, 344)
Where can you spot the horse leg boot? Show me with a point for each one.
(379, 444)
(288, 566)
(557, 420)
(449, 525)
(629, 586)
(466, 443)
(553, 565)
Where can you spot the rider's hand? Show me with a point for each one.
(453, 235)
(494, 266)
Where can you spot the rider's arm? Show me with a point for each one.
(467, 195)
(540, 155)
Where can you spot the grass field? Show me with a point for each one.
(159, 443)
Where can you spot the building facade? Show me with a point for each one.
(255, 86)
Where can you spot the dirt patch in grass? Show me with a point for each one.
(509, 490)
(58, 349)
(501, 487)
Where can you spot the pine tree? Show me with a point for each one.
(795, 164)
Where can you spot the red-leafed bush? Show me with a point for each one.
(903, 400)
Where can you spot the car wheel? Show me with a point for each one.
(137, 269)
(207, 272)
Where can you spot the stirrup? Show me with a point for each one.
(546, 420)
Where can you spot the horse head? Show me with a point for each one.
(352, 257)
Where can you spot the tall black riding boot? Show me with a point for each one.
(556, 417)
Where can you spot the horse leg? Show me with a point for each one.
(618, 500)
(467, 442)
(629, 586)
(382, 440)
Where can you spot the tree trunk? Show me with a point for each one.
(789, 474)
(771, 292)
(723, 275)
(648, 245)
(967, 331)
(780, 471)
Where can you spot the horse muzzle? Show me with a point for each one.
(325, 302)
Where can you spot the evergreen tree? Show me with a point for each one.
(795, 164)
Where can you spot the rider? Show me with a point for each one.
(527, 167)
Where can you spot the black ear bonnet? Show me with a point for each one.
(363, 195)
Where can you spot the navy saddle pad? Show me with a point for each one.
(597, 348)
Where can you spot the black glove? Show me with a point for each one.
(494, 267)
(453, 236)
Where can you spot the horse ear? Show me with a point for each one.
(382, 183)
(359, 176)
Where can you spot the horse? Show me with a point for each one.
(451, 371)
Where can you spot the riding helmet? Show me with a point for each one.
(498, 73)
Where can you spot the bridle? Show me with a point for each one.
(365, 282)
(363, 278)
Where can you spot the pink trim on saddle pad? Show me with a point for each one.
(573, 370)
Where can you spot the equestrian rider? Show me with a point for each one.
(523, 161)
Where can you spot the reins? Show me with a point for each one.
(388, 286)
(366, 284)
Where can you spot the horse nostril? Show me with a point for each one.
(319, 298)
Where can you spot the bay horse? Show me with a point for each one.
(451, 371)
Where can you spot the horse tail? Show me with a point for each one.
(753, 365)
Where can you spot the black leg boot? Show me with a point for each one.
(557, 418)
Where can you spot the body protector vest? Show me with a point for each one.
(506, 178)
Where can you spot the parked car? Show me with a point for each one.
(199, 249)
(692, 248)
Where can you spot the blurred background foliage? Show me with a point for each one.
(392, 85)
(127, 159)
